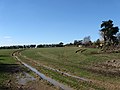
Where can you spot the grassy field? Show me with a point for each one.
(90, 64)
(7, 63)
(12, 72)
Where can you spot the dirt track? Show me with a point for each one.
(107, 85)
(42, 76)
(21, 78)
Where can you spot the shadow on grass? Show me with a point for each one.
(4, 56)
(9, 68)
(2, 59)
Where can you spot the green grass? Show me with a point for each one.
(72, 82)
(5, 57)
(76, 84)
(65, 59)
(6, 62)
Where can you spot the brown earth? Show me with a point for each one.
(109, 68)
(28, 81)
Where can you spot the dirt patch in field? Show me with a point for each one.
(24, 77)
(25, 81)
(20, 78)
(10, 68)
(39, 85)
(109, 68)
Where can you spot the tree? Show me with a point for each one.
(118, 37)
(87, 41)
(60, 44)
(32, 46)
(98, 42)
(108, 32)
(77, 42)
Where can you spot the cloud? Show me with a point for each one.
(7, 37)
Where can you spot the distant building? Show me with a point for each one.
(80, 46)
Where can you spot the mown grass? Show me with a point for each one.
(72, 82)
(65, 59)
(6, 58)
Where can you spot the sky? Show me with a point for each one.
(54, 21)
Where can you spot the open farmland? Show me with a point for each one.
(90, 69)
(14, 76)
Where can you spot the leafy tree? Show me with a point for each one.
(77, 42)
(40, 46)
(61, 44)
(32, 46)
(98, 42)
(108, 32)
(69, 44)
(118, 37)
(87, 41)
